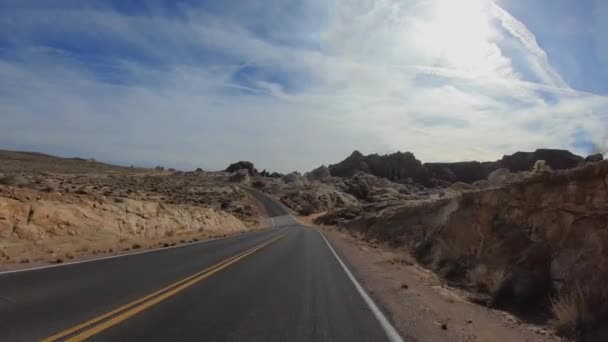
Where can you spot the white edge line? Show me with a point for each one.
(116, 256)
(390, 331)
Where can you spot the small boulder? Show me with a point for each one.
(28, 231)
(242, 165)
(295, 178)
(241, 176)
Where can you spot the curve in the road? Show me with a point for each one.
(294, 289)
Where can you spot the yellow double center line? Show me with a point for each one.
(88, 329)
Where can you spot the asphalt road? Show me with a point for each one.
(280, 284)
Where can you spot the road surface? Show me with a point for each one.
(279, 284)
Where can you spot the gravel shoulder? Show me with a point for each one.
(420, 304)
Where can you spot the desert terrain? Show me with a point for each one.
(509, 250)
(525, 234)
(56, 209)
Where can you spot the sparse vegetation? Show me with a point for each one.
(487, 280)
(8, 180)
(581, 310)
(570, 308)
(540, 235)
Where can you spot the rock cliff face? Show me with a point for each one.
(399, 167)
(31, 224)
(523, 242)
(556, 159)
(316, 198)
(470, 172)
(319, 174)
(467, 172)
(405, 168)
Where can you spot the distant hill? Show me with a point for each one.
(19, 161)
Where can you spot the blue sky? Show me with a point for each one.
(294, 84)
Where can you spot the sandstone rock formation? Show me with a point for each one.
(319, 174)
(294, 178)
(522, 242)
(242, 165)
(316, 198)
(467, 172)
(59, 207)
(240, 176)
(405, 168)
(30, 227)
(524, 161)
(400, 167)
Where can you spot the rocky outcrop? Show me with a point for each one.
(294, 178)
(400, 167)
(267, 174)
(316, 198)
(594, 158)
(242, 165)
(52, 206)
(467, 172)
(319, 174)
(470, 172)
(520, 242)
(32, 228)
(41, 219)
(405, 168)
(524, 161)
(240, 176)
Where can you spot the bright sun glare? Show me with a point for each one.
(459, 32)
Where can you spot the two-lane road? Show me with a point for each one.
(280, 284)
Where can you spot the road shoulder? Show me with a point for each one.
(421, 306)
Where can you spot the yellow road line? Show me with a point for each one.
(126, 306)
(152, 299)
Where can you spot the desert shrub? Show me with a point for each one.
(81, 191)
(306, 210)
(48, 188)
(580, 310)
(487, 280)
(569, 309)
(8, 180)
(259, 184)
(449, 259)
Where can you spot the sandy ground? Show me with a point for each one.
(421, 305)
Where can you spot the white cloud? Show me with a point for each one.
(538, 57)
(377, 76)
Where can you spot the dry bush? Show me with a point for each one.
(581, 311)
(487, 280)
(570, 308)
(450, 260)
(8, 180)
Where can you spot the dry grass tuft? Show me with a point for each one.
(487, 280)
(570, 309)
